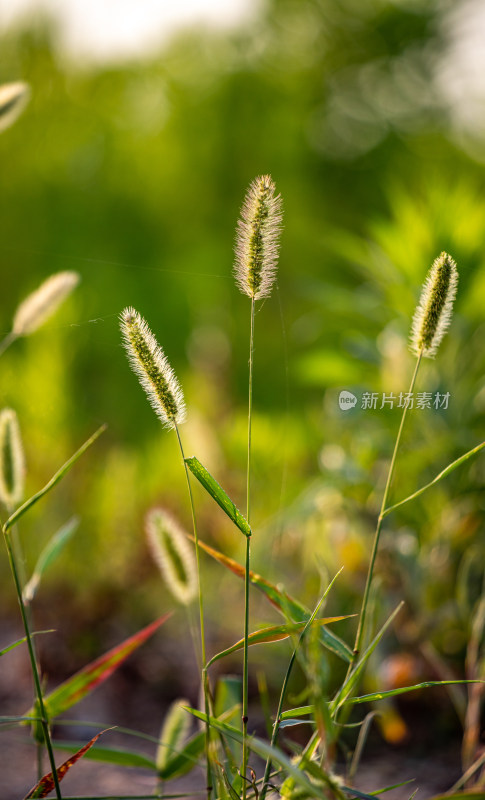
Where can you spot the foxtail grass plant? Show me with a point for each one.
(157, 378)
(40, 305)
(12, 468)
(221, 747)
(13, 100)
(431, 320)
(256, 250)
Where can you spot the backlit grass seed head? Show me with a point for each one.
(149, 363)
(13, 99)
(12, 464)
(174, 732)
(41, 304)
(433, 313)
(172, 553)
(257, 239)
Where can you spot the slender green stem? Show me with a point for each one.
(6, 342)
(246, 574)
(361, 627)
(201, 615)
(33, 662)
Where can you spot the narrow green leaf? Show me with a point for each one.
(83, 682)
(48, 556)
(460, 796)
(181, 763)
(446, 471)
(290, 723)
(218, 494)
(264, 750)
(54, 480)
(394, 786)
(21, 641)
(281, 600)
(109, 755)
(10, 720)
(46, 785)
(302, 711)
(371, 698)
(349, 684)
(275, 633)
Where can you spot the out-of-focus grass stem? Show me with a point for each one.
(33, 662)
(201, 614)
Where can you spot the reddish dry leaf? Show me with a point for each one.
(46, 785)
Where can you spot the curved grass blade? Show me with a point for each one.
(182, 762)
(46, 785)
(83, 682)
(446, 471)
(54, 480)
(371, 698)
(264, 750)
(349, 684)
(48, 556)
(110, 755)
(218, 494)
(460, 796)
(281, 600)
(276, 633)
(22, 641)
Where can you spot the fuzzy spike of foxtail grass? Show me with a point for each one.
(257, 238)
(12, 463)
(41, 304)
(172, 554)
(150, 364)
(433, 313)
(13, 99)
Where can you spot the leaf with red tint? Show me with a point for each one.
(46, 785)
(281, 600)
(79, 685)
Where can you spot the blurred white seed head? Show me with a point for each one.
(41, 304)
(257, 239)
(150, 364)
(433, 313)
(12, 463)
(172, 553)
(13, 99)
(174, 732)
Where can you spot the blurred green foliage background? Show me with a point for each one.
(133, 175)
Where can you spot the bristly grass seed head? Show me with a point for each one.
(149, 363)
(257, 239)
(172, 553)
(13, 99)
(12, 464)
(38, 306)
(433, 313)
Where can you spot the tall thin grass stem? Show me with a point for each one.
(33, 662)
(201, 613)
(247, 569)
(370, 574)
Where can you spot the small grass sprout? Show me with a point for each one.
(41, 304)
(433, 313)
(173, 555)
(12, 462)
(150, 364)
(257, 239)
(13, 99)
